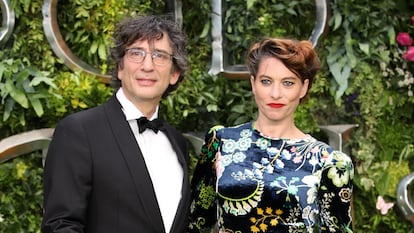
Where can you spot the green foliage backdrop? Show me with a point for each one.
(360, 83)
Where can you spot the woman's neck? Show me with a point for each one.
(279, 130)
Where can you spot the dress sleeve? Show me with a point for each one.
(203, 215)
(335, 193)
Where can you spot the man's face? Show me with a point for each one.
(145, 82)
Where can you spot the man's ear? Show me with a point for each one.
(174, 77)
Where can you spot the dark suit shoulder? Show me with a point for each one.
(85, 115)
(94, 115)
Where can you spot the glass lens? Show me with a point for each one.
(160, 58)
(136, 55)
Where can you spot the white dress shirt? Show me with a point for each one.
(161, 161)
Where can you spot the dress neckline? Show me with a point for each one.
(307, 137)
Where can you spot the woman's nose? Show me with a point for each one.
(275, 91)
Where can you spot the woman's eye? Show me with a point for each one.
(288, 83)
(265, 81)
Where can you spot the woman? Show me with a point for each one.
(268, 175)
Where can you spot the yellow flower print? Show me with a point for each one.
(279, 212)
(269, 210)
(254, 229)
(274, 222)
(263, 227)
(267, 217)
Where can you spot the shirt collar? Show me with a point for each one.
(129, 109)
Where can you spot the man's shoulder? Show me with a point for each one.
(85, 114)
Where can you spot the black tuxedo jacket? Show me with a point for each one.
(96, 181)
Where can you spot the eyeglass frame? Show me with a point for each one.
(153, 55)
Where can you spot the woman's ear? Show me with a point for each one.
(252, 83)
(304, 89)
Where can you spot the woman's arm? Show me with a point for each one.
(203, 216)
(335, 193)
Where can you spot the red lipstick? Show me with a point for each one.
(275, 105)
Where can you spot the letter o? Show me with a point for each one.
(7, 20)
(59, 46)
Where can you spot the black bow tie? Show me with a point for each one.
(144, 123)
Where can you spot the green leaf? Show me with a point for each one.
(240, 108)
(42, 79)
(249, 4)
(102, 51)
(364, 48)
(212, 108)
(36, 104)
(206, 30)
(352, 60)
(337, 21)
(210, 96)
(385, 56)
(18, 95)
(391, 35)
(2, 69)
(8, 108)
(22, 76)
(93, 47)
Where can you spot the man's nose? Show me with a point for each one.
(147, 62)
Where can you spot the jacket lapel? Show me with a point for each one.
(180, 221)
(135, 162)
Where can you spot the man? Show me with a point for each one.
(104, 172)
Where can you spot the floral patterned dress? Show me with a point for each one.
(246, 182)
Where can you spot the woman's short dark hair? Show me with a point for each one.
(151, 27)
(298, 56)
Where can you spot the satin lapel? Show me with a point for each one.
(180, 153)
(183, 208)
(135, 162)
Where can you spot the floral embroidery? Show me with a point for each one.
(263, 143)
(229, 146)
(244, 143)
(345, 194)
(239, 157)
(243, 205)
(339, 170)
(207, 196)
(265, 218)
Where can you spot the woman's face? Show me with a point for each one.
(277, 91)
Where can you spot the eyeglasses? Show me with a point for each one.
(138, 55)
